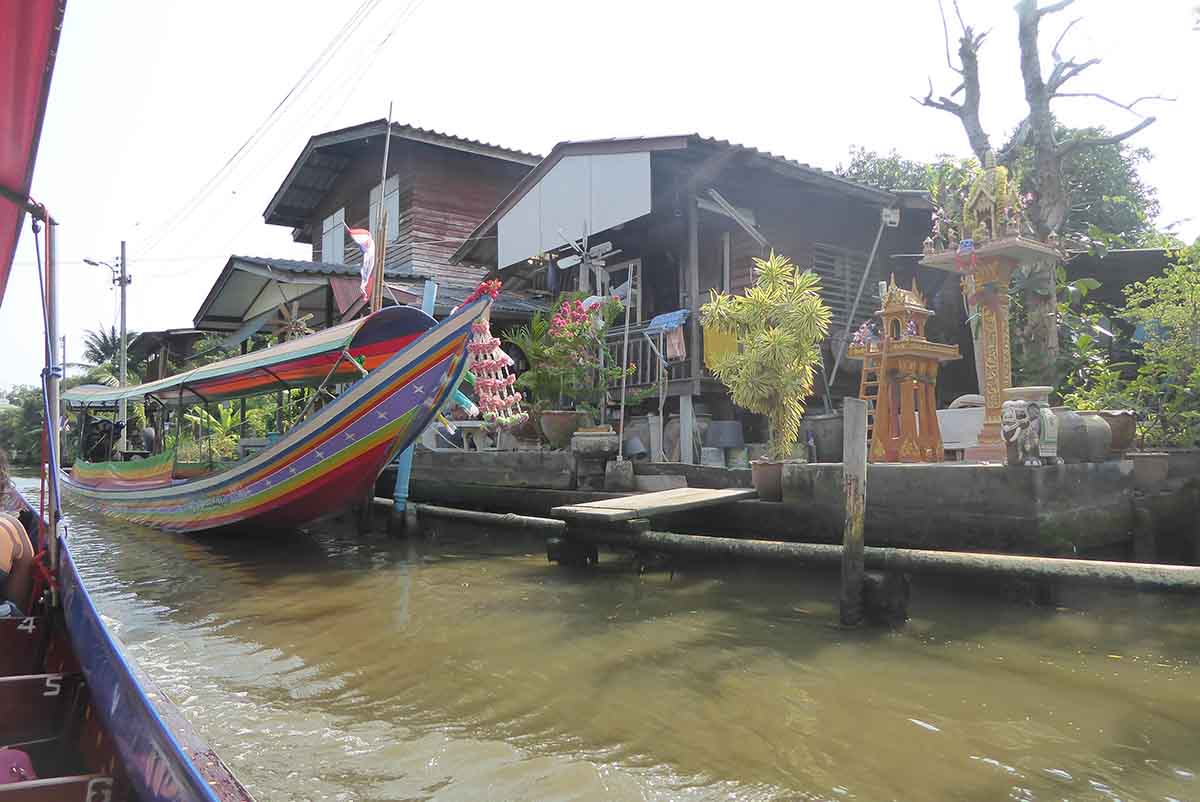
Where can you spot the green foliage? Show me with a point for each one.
(21, 425)
(779, 324)
(564, 355)
(218, 432)
(1082, 330)
(102, 348)
(538, 384)
(1165, 389)
(1111, 206)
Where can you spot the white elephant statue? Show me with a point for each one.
(1021, 425)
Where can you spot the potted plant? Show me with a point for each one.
(779, 324)
(564, 382)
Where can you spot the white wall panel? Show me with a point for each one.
(620, 188)
(598, 191)
(519, 231)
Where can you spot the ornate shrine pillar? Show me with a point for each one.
(991, 277)
(986, 274)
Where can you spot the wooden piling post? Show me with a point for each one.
(854, 478)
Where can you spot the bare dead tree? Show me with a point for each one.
(1051, 201)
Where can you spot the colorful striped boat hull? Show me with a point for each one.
(322, 466)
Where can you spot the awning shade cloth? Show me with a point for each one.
(300, 363)
(28, 39)
(667, 321)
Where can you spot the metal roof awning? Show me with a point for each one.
(254, 288)
(248, 295)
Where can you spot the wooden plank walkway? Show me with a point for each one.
(646, 505)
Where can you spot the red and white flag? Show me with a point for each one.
(366, 244)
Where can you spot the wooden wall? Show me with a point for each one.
(454, 192)
(444, 194)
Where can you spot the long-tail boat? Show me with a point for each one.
(79, 722)
(405, 368)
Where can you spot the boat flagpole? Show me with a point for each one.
(54, 375)
(51, 373)
(381, 219)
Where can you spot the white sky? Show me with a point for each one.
(150, 98)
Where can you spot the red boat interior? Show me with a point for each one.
(52, 746)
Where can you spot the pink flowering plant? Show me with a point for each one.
(563, 351)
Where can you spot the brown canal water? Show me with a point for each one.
(327, 666)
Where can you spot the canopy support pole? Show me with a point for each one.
(404, 462)
(325, 381)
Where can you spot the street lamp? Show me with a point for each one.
(121, 278)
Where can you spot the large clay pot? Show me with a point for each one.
(1072, 435)
(1123, 424)
(1099, 435)
(827, 435)
(558, 425)
(767, 476)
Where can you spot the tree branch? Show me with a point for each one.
(946, 39)
(944, 103)
(1076, 142)
(1054, 7)
(968, 110)
(958, 14)
(1127, 106)
(1008, 153)
(1066, 70)
(1061, 36)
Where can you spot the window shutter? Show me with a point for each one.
(841, 271)
(391, 204)
(333, 238)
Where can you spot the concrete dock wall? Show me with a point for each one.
(1061, 509)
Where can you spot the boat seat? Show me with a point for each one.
(22, 641)
(76, 788)
(36, 706)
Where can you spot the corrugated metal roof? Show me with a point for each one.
(780, 164)
(314, 173)
(510, 302)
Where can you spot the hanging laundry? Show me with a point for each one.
(675, 346)
(717, 344)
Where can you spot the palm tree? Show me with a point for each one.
(101, 347)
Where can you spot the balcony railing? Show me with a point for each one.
(642, 356)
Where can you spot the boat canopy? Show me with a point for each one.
(29, 32)
(305, 362)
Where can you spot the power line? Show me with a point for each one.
(298, 88)
(355, 65)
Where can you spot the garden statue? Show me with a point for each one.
(1030, 430)
(984, 210)
(1021, 426)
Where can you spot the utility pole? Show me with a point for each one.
(124, 410)
(120, 277)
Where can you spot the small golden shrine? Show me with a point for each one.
(899, 378)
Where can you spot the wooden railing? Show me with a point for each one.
(642, 357)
